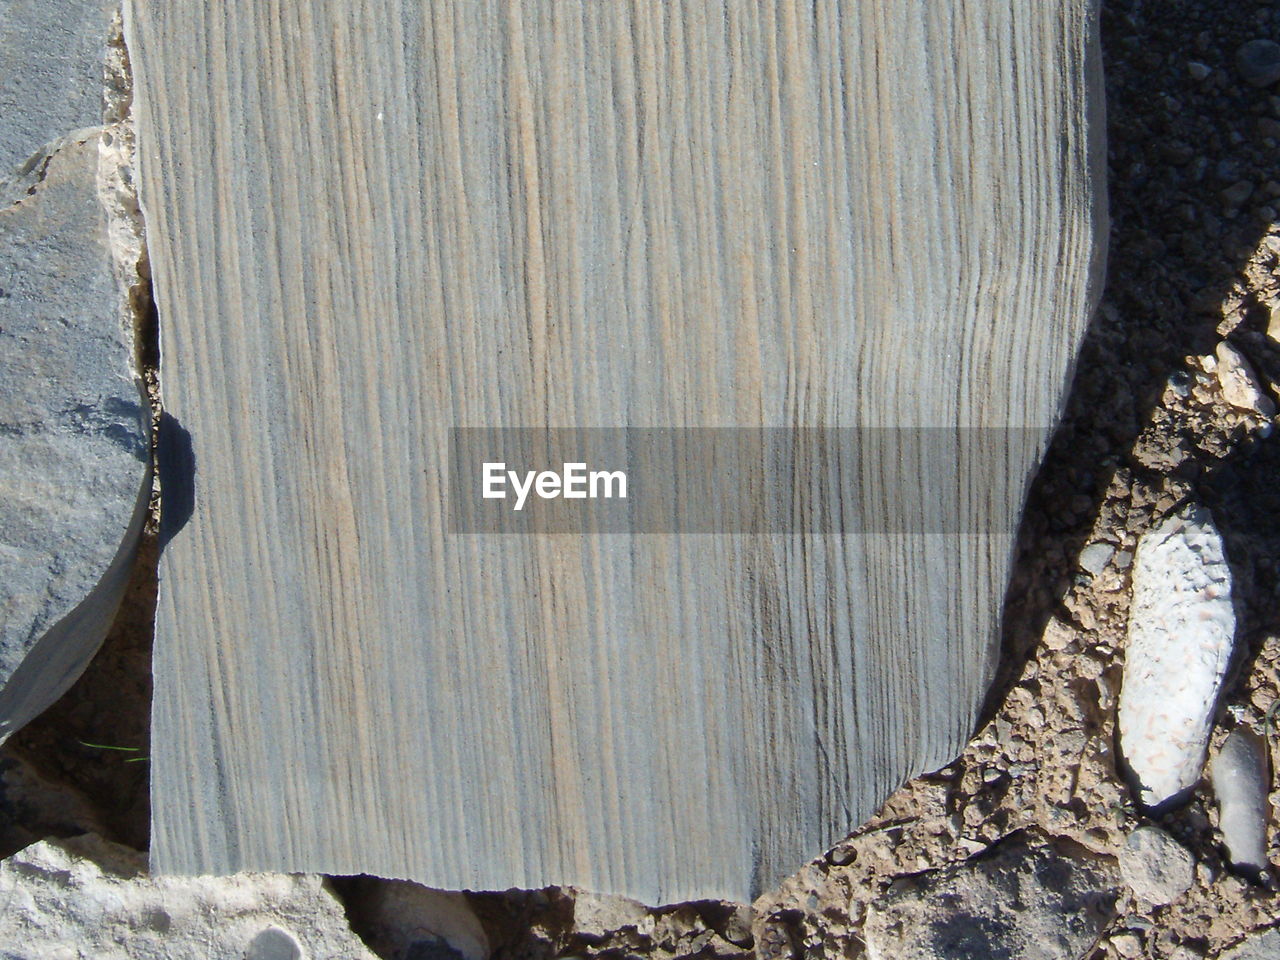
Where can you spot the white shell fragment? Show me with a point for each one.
(1181, 627)
(1240, 783)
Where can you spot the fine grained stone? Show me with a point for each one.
(1156, 867)
(1181, 627)
(1240, 784)
(51, 58)
(1023, 901)
(73, 431)
(87, 897)
(1259, 62)
(1257, 946)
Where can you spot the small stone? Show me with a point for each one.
(1273, 318)
(1026, 899)
(1240, 783)
(1197, 70)
(1261, 945)
(1258, 62)
(1235, 195)
(1095, 557)
(1156, 867)
(1127, 944)
(1181, 630)
(1239, 383)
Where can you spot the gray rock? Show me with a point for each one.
(1156, 867)
(1240, 783)
(1264, 945)
(1259, 62)
(51, 57)
(74, 473)
(1095, 557)
(1022, 901)
(86, 897)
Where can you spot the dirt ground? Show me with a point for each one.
(1195, 188)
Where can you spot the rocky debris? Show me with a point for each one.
(86, 897)
(1264, 945)
(1156, 867)
(50, 73)
(1259, 62)
(1033, 901)
(401, 920)
(1239, 383)
(1240, 783)
(1181, 628)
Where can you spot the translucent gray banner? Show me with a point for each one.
(736, 480)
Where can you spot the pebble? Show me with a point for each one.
(1156, 867)
(1258, 62)
(1127, 944)
(1235, 195)
(1095, 557)
(1240, 783)
(1239, 383)
(1181, 629)
(1198, 70)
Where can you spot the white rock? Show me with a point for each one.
(1239, 383)
(1181, 627)
(1240, 783)
(87, 897)
(1156, 867)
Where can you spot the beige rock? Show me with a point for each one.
(1239, 383)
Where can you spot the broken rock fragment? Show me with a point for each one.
(1240, 783)
(74, 462)
(1181, 627)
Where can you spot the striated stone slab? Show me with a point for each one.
(375, 228)
(74, 473)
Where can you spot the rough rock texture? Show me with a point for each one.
(1022, 901)
(50, 72)
(74, 475)
(1181, 627)
(1156, 867)
(1240, 784)
(86, 897)
(1264, 945)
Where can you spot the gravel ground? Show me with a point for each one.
(1195, 188)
